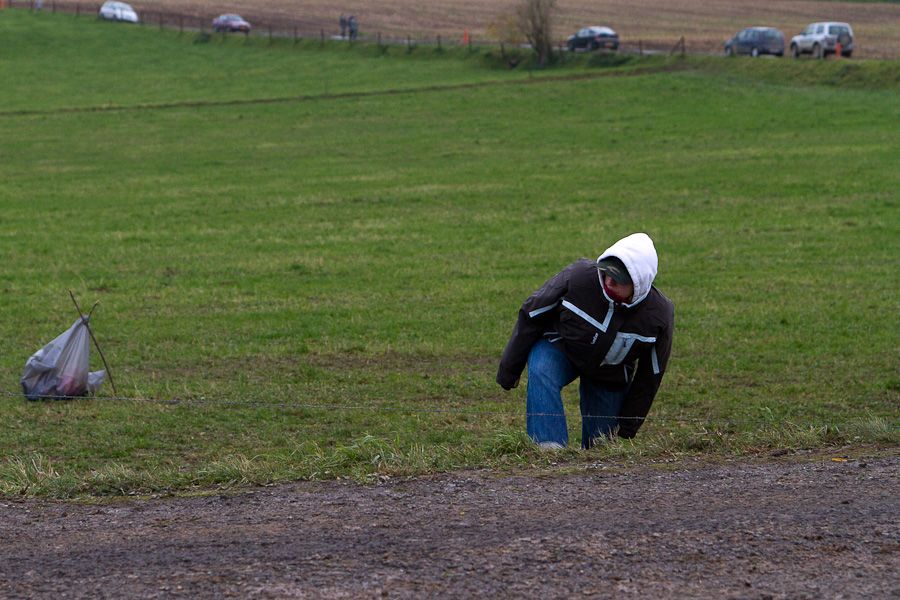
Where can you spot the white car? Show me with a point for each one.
(118, 11)
(822, 39)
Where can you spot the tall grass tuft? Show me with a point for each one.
(34, 475)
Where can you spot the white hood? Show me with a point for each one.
(639, 255)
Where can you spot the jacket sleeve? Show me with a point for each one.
(650, 370)
(534, 316)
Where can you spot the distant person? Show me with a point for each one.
(343, 22)
(353, 26)
(601, 322)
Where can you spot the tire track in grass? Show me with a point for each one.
(341, 95)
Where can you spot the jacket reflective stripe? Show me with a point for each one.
(542, 310)
(621, 346)
(609, 314)
(601, 326)
(640, 338)
(654, 360)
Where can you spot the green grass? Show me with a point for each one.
(846, 74)
(62, 62)
(321, 287)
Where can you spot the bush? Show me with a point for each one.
(609, 59)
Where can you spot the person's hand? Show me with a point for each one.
(507, 384)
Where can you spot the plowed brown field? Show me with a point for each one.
(705, 24)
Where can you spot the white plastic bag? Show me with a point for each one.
(60, 369)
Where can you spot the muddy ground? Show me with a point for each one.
(778, 527)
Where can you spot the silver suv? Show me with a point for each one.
(822, 39)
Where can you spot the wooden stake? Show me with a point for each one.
(86, 324)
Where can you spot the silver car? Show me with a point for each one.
(822, 39)
(118, 11)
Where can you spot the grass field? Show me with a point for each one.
(321, 286)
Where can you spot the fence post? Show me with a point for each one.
(640, 47)
(408, 44)
(321, 37)
(295, 34)
(682, 46)
(502, 51)
(77, 9)
(439, 42)
(270, 34)
(160, 21)
(180, 23)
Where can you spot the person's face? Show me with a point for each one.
(620, 292)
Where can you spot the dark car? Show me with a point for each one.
(594, 38)
(230, 23)
(755, 41)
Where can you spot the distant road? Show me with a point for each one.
(705, 24)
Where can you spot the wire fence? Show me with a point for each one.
(296, 30)
(281, 406)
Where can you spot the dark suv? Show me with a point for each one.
(755, 41)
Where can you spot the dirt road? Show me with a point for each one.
(772, 529)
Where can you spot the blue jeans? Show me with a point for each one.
(549, 371)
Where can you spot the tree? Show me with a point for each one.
(505, 28)
(536, 24)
